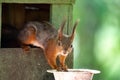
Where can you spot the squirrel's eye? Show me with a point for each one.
(71, 45)
(59, 43)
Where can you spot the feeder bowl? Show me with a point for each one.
(74, 74)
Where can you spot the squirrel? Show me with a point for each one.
(53, 42)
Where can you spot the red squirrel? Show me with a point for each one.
(53, 42)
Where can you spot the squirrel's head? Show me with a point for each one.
(64, 42)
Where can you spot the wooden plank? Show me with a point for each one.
(0, 22)
(40, 1)
(15, 64)
(18, 65)
(70, 19)
(58, 12)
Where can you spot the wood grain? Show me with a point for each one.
(15, 64)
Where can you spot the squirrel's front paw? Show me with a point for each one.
(59, 69)
(26, 49)
(65, 68)
(62, 68)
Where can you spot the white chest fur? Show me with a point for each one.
(62, 53)
(35, 43)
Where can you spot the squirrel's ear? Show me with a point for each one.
(74, 27)
(31, 28)
(60, 31)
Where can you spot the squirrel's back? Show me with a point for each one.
(37, 33)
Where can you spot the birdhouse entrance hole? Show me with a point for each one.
(15, 15)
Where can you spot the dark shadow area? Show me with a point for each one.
(14, 16)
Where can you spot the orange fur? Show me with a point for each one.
(54, 43)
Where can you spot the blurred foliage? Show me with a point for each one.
(97, 40)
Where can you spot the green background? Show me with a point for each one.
(97, 40)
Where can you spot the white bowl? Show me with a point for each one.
(74, 74)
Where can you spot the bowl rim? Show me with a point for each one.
(75, 70)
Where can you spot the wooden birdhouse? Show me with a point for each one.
(14, 63)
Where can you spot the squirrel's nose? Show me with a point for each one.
(65, 50)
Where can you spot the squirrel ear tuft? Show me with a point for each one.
(60, 31)
(74, 27)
